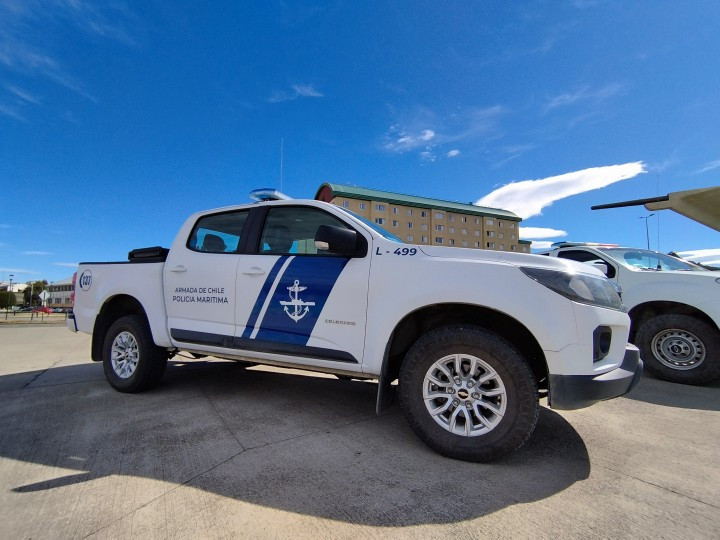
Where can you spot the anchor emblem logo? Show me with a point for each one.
(300, 308)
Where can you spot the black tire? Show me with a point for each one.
(512, 377)
(680, 349)
(132, 339)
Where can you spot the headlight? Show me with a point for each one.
(581, 288)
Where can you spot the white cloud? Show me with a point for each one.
(12, 113)
(425, 132)
(17, 271)
(36, 253)
(22, 94)
(66, 264)
(530, 233)
(709, 166)
(298, 90)
(584, 93)
(528, 197)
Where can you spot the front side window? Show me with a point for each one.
(218, 233)
(291, 230)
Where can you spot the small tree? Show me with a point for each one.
(7, 299)
(34, 288)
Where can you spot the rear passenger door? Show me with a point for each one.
(200, 281)
(297, 301)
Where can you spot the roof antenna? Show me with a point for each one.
(281, 164)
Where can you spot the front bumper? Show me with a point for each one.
(578, 391)
(71, 323)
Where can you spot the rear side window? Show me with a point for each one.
(218, 233)
(586, 257)
(291, 230)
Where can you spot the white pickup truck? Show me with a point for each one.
(473, 337)
(674, 307)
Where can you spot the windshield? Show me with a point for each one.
(642, 259)
(374, 226)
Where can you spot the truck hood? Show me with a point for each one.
(506, 257)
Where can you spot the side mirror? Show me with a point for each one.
(340, 241)
(600, 265)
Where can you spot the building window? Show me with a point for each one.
(439, 215)
(464, 243)
(490, 233)
(380, 221)
(395, 223)
(512, 248)
(500, 223)
(464, 219)
(424, 226)
(395, 210)
(477, 244)
(464, 231)
(451, 242)
(512, 237)
(438, 239)
(512, 225)
(439, 228)
(502, 247)
(380, 207)
(410, 224)
(477, 221)
(452, 230)
(346, 204)
(425, 239)
(362, 206)
(491, 245)
(423, 214)
(501, 235)
(409, 212)
(477, 233)
(451, 217)
(489, 222)
(411, 238)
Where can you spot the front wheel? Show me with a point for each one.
(131, 360)
(468, 394)
(680, 349)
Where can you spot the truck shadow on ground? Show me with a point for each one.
(302, 444)
(659, 392)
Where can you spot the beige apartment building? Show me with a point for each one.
(421, 220)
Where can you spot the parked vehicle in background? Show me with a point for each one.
(473, 337)
(42, 309)
(674, 306)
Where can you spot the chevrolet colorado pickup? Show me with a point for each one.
(674, 308)
(473, 338)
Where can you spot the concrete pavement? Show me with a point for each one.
(221, 451)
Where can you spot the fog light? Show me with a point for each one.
(602, 336)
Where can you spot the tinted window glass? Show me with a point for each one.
(218, 233)
(291, 230)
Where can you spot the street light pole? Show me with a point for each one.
(9, 293)
(647, 233)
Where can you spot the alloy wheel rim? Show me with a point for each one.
(124, 355)
(464, 395)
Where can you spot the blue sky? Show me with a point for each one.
(118, 119)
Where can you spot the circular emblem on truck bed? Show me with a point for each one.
(86, 280)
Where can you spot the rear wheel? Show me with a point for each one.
(680, 348)
(131, 360)
(468, 394)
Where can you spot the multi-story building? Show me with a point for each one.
(59, 294)
(421, 220)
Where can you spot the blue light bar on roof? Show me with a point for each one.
(268, 194)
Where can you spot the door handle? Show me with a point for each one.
(179, 268)
(254, 271)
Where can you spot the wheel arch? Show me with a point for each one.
(114, 308)
(642, 313)
(428, 318)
